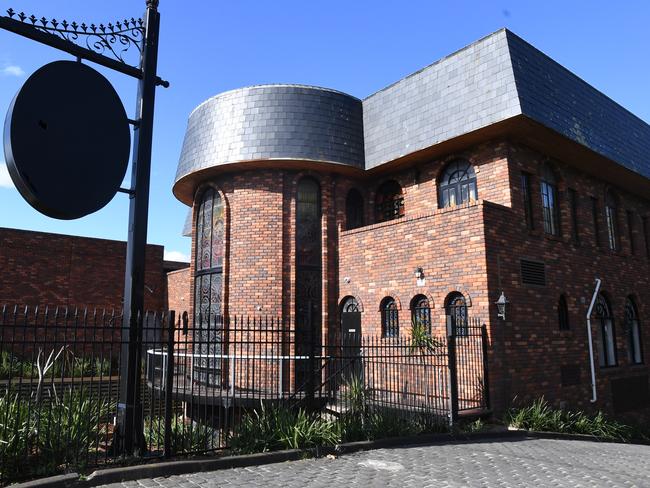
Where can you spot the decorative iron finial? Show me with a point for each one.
(112, 39)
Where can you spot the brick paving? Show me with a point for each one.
(493, 463)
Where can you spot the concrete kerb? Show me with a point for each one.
(186, 466)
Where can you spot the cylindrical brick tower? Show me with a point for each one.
(260, 167)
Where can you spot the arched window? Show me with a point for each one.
(353, 209)
(611, 217)
(208, 286)
(607, 342)
(421, 313)
(350, 305)
(389, 201)
(456, 311)
(634, 352)
(308, 294)
(563, 313)
(389, 318)
(457, 184)
(550, 205)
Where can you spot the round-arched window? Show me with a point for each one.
(208, 281)
(634, 351)
(389, 318)
(607, 342)
(389, 201)
(421, 313)
(456, 311)
(563, 313)
(457, 184)
(353, 209)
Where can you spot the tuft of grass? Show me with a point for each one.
(278, 427)
(186, 436)
(68, 365)
(43, 439)
(363, 421)
(540, 416)
(477, 425)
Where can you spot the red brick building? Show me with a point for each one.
(46, 269)
(493, 171)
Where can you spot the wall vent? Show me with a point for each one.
(533, 273)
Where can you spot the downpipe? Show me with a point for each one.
(594, 394)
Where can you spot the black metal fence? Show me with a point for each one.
(60, 383)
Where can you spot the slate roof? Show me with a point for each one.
(494, 79)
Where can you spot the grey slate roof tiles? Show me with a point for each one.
(491, 80)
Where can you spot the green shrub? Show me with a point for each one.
(186, 436)
(361, 421)
(39, 440)
(68, 365)
(12, 367)
(277, 428)
(471, 427)
(540, 416)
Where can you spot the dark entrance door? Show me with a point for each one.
(351, 339)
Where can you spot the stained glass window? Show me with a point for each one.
(308, 274)
(208, 288)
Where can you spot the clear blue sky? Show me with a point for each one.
(355, 46)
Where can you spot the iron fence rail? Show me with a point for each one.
(60, 381)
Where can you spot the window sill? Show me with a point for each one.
(551, 237)
(637, 365)
(613, 367)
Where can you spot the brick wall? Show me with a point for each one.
(178, 290)
(529, 348)
(52, 269)
(473, 248)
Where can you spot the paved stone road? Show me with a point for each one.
(499, 463)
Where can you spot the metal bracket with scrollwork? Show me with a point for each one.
(111, 39)
(105, 44)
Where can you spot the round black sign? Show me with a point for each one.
(67, 140)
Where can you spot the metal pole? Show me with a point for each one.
(453, 372)
(130, 421)
(169, 383)
(311, 363)
(486, 378)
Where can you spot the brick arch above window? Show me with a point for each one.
(346, 297)
(203, 187)
(463, 291)
(392, 295)
(427, 294)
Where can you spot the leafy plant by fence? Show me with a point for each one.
(542, 417)
(239, 384)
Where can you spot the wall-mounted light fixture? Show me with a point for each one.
(501, 304)
(419, 273)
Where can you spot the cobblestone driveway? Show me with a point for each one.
(521, 462)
